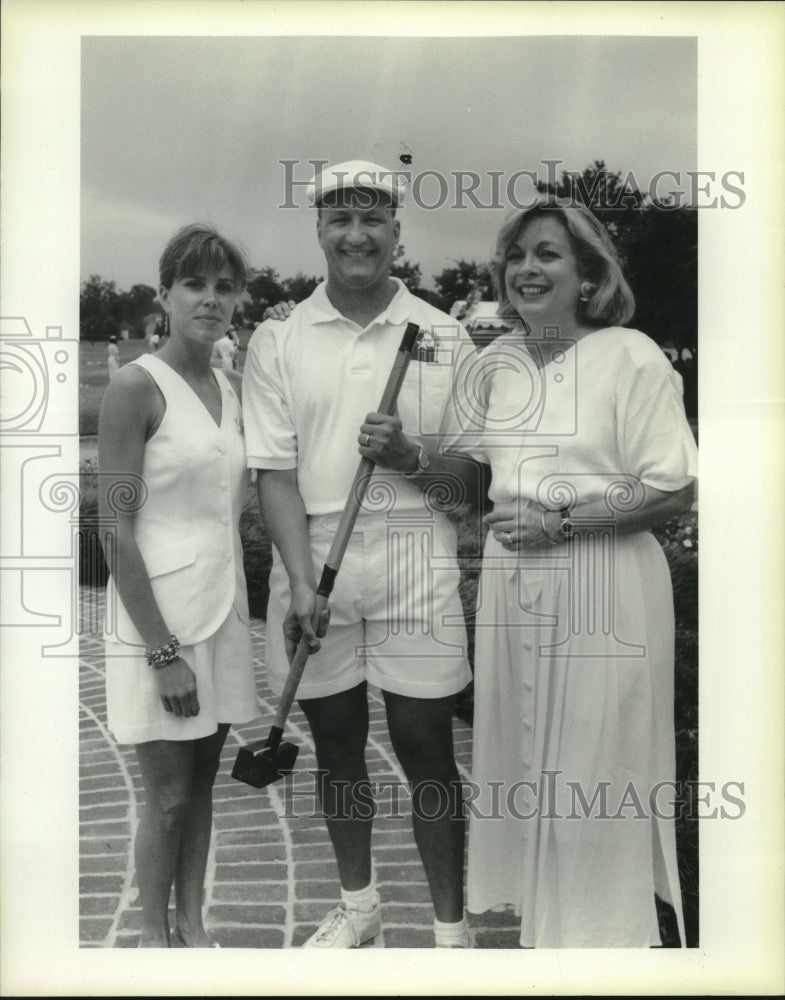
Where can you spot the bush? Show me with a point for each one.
(93, 571)
(257, 555)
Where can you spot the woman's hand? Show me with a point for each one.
(281, 310)
(298, 623)
(177, 688)
(518, 525)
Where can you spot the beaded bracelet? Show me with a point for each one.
(542, 522)
(164, 654)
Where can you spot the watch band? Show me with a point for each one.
(423, 461)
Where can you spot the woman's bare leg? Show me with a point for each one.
(195, 841)
(167, 768)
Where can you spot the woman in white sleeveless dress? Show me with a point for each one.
(583, 425)
(178, 652)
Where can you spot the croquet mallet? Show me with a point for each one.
(262, 763)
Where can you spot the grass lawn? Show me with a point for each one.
(94, 375)
(94, 378)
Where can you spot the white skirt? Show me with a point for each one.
(225, 683)
(574, 743)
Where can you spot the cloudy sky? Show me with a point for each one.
(176, 129)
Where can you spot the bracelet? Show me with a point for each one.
(553, 541)
(164, 654)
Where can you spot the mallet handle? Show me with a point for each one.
(346, 525)
(296, 671)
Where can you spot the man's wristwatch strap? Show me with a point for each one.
(423, 461)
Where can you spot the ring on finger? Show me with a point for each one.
(367, 440)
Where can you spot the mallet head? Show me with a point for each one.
(259, 764)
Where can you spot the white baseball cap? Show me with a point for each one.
(357, 174)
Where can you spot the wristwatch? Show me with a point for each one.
(423, 462)
(566, 527)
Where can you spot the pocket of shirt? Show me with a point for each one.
(424, 397)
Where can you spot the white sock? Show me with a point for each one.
(447, 933)
(361, 899)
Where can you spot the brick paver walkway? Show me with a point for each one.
(271, 875)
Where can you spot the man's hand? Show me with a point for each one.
(381, 439)
(177, 688)
(298, 623)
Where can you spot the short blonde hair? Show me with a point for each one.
(611, 302)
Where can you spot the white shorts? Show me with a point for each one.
(225, 685)
(396, 618)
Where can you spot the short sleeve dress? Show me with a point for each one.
(574, 756)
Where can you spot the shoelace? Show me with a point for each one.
(338, 916)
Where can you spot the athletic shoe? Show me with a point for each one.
(346, 927)
(459, 940)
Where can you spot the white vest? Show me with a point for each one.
(187, 529)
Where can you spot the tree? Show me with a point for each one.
(661, 255)
(403, 269)
(411, 275)
(264, 289)
(657, 243)
(98, 300)
(136, 305)
(604, 191)
(454, 283)
(300, 286)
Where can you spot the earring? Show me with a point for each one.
(586, 289)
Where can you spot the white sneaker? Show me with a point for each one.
(454, 939)
(464, 942)
(346, 927)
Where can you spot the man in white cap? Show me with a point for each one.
(311, 385)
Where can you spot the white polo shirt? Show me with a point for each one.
(310, 380)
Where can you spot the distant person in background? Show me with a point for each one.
(112, 356)
(462, 309)
(155, 340)
(232, 332)
(224, 351)
(471, 305)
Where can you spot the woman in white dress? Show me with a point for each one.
(112, 356)
(574, 759)
(178, 651)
